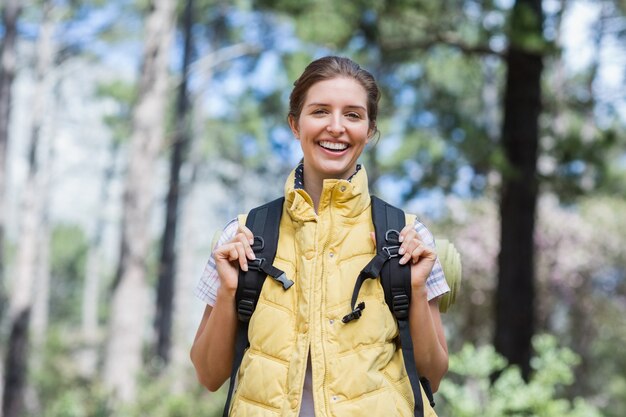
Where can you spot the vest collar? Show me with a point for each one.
(346, 198)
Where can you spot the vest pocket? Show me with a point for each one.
(404, 398)
(261, 382)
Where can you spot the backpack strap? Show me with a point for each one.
(264, 222)
(396, 282)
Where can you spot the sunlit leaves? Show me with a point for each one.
(473, 394)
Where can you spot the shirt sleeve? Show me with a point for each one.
(436, 284)
(210, 281)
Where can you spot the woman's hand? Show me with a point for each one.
(233, 255)
(422, 258)
(413, 249)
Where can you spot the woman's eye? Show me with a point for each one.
(319, 111)
(353, 115)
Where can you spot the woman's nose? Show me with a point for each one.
(335, 126)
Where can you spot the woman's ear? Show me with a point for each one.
(293, 124)
(370, 133)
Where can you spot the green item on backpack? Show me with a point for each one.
(450, 260)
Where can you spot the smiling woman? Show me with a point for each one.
(302, 358)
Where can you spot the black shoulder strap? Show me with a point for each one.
(396, 282)
(264, 222)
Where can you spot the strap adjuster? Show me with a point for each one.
(391, 251)
(400, 306)
(392, 236)
(245, 310)
(256, 264)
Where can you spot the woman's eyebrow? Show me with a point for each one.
(350, 106)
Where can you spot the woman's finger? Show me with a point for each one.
(247, 233)
(241, 255)
(408, 237)
(405, 233)
(416, 249)
(243, 239)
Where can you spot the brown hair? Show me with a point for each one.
(330, 67)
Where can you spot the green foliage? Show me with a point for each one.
(526, 21)
(468, 392)
(157, 399)
(62, 391)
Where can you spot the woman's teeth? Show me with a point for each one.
(333, 146)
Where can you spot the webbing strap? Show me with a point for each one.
(264, 222)
(409, 363)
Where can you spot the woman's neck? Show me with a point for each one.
(313, 187)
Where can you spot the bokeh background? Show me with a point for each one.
(132, 131)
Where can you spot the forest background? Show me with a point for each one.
(131, 131)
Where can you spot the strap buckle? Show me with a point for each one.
(284, 281)
(355, 314)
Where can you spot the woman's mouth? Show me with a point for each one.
(333, 146)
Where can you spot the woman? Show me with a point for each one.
(302, 360)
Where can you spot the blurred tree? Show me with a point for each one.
(178, 156)
(21, 301)
(123, 356)
(515, 295)
(10, 15)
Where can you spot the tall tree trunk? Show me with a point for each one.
(129, 302)
(10, 15)
(21, 302)
(182, 326)
(167, 264)
(41, 301)
(88, 356)
(515, 295)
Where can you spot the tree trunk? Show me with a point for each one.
(16, 366)
(88, 355)
(167, 266)
(515, 316)
(129, 301)
(10, 15)
(21, 302)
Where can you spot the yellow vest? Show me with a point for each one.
(357, 367)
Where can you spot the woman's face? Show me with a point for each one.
(333, 128)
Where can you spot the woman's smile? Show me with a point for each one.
(334, 147)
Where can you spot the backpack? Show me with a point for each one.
(264, 222)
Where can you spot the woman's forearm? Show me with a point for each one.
(213, 348)
(429, 342)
